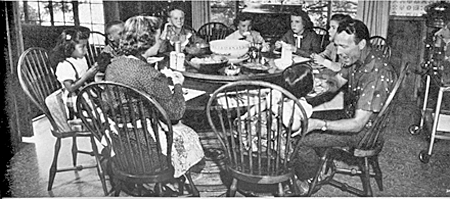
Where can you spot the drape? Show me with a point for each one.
(201, 13)
(375, 14)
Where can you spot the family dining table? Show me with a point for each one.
(198, 86)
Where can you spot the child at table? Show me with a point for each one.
(175, 31)
(301, 38)
(72, 69)
(243, 24)
(298, 80)
(328, 58)
(113, 31)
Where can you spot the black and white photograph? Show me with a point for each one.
(231, 98)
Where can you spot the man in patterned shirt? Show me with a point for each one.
(370, 80)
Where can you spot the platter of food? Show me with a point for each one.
(208, 64)
(255, 66)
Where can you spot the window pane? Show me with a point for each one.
(92, 16)
(63, 13)
(223, 11)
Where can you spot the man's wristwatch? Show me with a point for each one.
(325, 126)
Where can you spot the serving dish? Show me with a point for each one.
(209, 64)
(229, 48)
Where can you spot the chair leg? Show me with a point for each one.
(315, 182)
(365, 177)
(233, 188)
(294, 186)
(159, 190)
(181, 184)
(194, 189)
(100, 169)
(53, 167)
(280, 190)
(117, 188)
(378, 173)
(74, 150)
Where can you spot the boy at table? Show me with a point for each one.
(301, 37)
(243, 23)
(176, 31)
(113, 31)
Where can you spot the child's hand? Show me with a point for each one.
(317, 59)
(92, 71)
(177, 78)
(164, 33)
(278, 44)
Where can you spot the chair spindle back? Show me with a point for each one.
(37, 78)
(96, 43)
(253, 121)
(214, 31)
(132, 125)
(371, 138)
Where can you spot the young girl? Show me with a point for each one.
(301, 38)
(328, 57)
(71, 67)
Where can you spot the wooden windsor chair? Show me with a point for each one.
(366, 153)
(37, 78)
(213, 31)
(381, 45)
(255, 133)
(136, 133)
(96, 43)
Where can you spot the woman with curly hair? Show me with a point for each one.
(140, 40)
(301, 37)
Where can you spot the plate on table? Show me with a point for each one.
(236, 60)
(300, 59)
(152, 60)
(256, 67)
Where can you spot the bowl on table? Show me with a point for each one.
(197, 49)
(229, 48)
(210, 64)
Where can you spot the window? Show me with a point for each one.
(319, 10)
(88, 13)
(224, 11)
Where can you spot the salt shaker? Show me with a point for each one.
(180, 62)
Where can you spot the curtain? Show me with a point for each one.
(375, 14)
(201, 13)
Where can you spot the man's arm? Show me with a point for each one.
(352, 125)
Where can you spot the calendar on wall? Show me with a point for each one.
(409, 7)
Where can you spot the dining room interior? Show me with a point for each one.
(241, 119)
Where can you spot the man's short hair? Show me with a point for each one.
(111, 24)
(340, 18)
(355, 27)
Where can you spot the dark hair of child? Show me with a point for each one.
(242, 17)
(298, 79)
(65, 45)
(307, 23)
